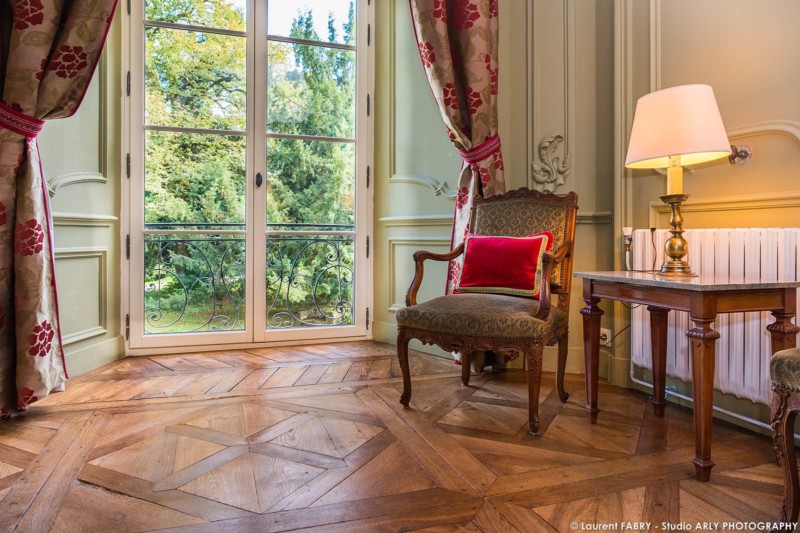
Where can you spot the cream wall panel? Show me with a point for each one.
(401, 263)
(551, 39)
(82, 163)
(82, 291)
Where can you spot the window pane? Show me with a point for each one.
(309, 281)
(224, 14)
(311, 90)
(192, 178)
(195, 79)
(194, 283)
(310, 182)
(332, 21)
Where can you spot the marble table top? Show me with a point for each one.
(704, 282)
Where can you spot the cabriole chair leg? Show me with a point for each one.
(402, 355)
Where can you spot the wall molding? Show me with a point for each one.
(769, 127)
(73, 178)
(440, 188)
(418, 220)
(91, 176)
(83, 219)
(749, 202)
(623, 116)
(596, 217)
(393, 243)
(101, 255)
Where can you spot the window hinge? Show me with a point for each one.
(369, 105)
(367, 317)
(367, 246)
(128, 83)
(128, 246)
(369, 171)
(129, 7)
(127, 327)
(128, 165)
(369, 34)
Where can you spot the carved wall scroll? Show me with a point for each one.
(553, 170)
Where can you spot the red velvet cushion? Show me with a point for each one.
(504, 265)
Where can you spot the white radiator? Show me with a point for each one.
(743, 350)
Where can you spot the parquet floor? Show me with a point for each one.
(314, 438)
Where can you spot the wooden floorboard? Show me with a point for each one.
(313, 438)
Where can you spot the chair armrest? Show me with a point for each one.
(549, 261)
(419, 259)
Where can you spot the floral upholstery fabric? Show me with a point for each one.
(458, 45)
(784, 369)
(523, 216)
(481, 315)
(48, 53)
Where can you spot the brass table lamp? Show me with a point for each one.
(673, 128)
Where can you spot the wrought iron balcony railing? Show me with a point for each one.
(195, 277)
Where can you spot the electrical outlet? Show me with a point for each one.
(605, 335)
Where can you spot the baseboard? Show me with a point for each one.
(87, 359)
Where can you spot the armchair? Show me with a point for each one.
(465, 323)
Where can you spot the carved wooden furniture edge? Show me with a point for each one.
(549, 261)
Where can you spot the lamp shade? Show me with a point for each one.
(682, 122)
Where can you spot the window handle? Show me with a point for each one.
(259, 180)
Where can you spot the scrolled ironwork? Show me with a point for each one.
(189, 284)
(309, 281)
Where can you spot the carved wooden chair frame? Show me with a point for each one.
(532, 348)
(785, 407)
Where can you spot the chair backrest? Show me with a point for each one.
(525, 211)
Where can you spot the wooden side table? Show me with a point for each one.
(703, 297)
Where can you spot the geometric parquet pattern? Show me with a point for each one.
(314, 438)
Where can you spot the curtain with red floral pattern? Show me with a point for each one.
(48, 52)
(458, 41)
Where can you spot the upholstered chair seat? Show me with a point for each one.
(482, 315)
(785, 375)
(785, 369)
(482, 320)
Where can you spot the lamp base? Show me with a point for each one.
(676, 246)
(678, 269)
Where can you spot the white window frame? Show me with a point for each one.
(132, 201)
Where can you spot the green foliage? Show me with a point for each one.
(198, 80)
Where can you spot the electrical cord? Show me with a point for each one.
(653, 244)
(627, 264)
(609, 341)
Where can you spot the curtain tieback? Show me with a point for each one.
(483, 151)
(13, 120)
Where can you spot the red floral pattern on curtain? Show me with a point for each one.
(48, 53)
(458, 44)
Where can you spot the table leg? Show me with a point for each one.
(591, 347)
(783, 332)
(658, 345)
(703, 342)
